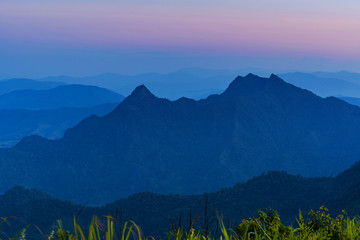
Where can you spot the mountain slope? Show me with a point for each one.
(186, 146)
(351, 100)
(62, 96)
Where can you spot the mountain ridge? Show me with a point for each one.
(153, 144)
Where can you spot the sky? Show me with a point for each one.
(85, 37)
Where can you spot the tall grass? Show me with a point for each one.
(98, 231)
(267, 226)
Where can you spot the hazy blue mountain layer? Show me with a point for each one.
(345, 75)
(59, 97)
(187, 146)
(10, 85)
(323, 86)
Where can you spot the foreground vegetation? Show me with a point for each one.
(267, 226)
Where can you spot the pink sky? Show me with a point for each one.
(330, 31)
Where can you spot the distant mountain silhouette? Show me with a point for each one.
(198, 83)
(324, 86)
(345, 75)
(188, 83)
(10, 85)
(187, 146)
(59, 97)
(51, 123)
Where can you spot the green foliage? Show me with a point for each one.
(319, 225)
(268, 225)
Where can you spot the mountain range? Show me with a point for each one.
(185, 146)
